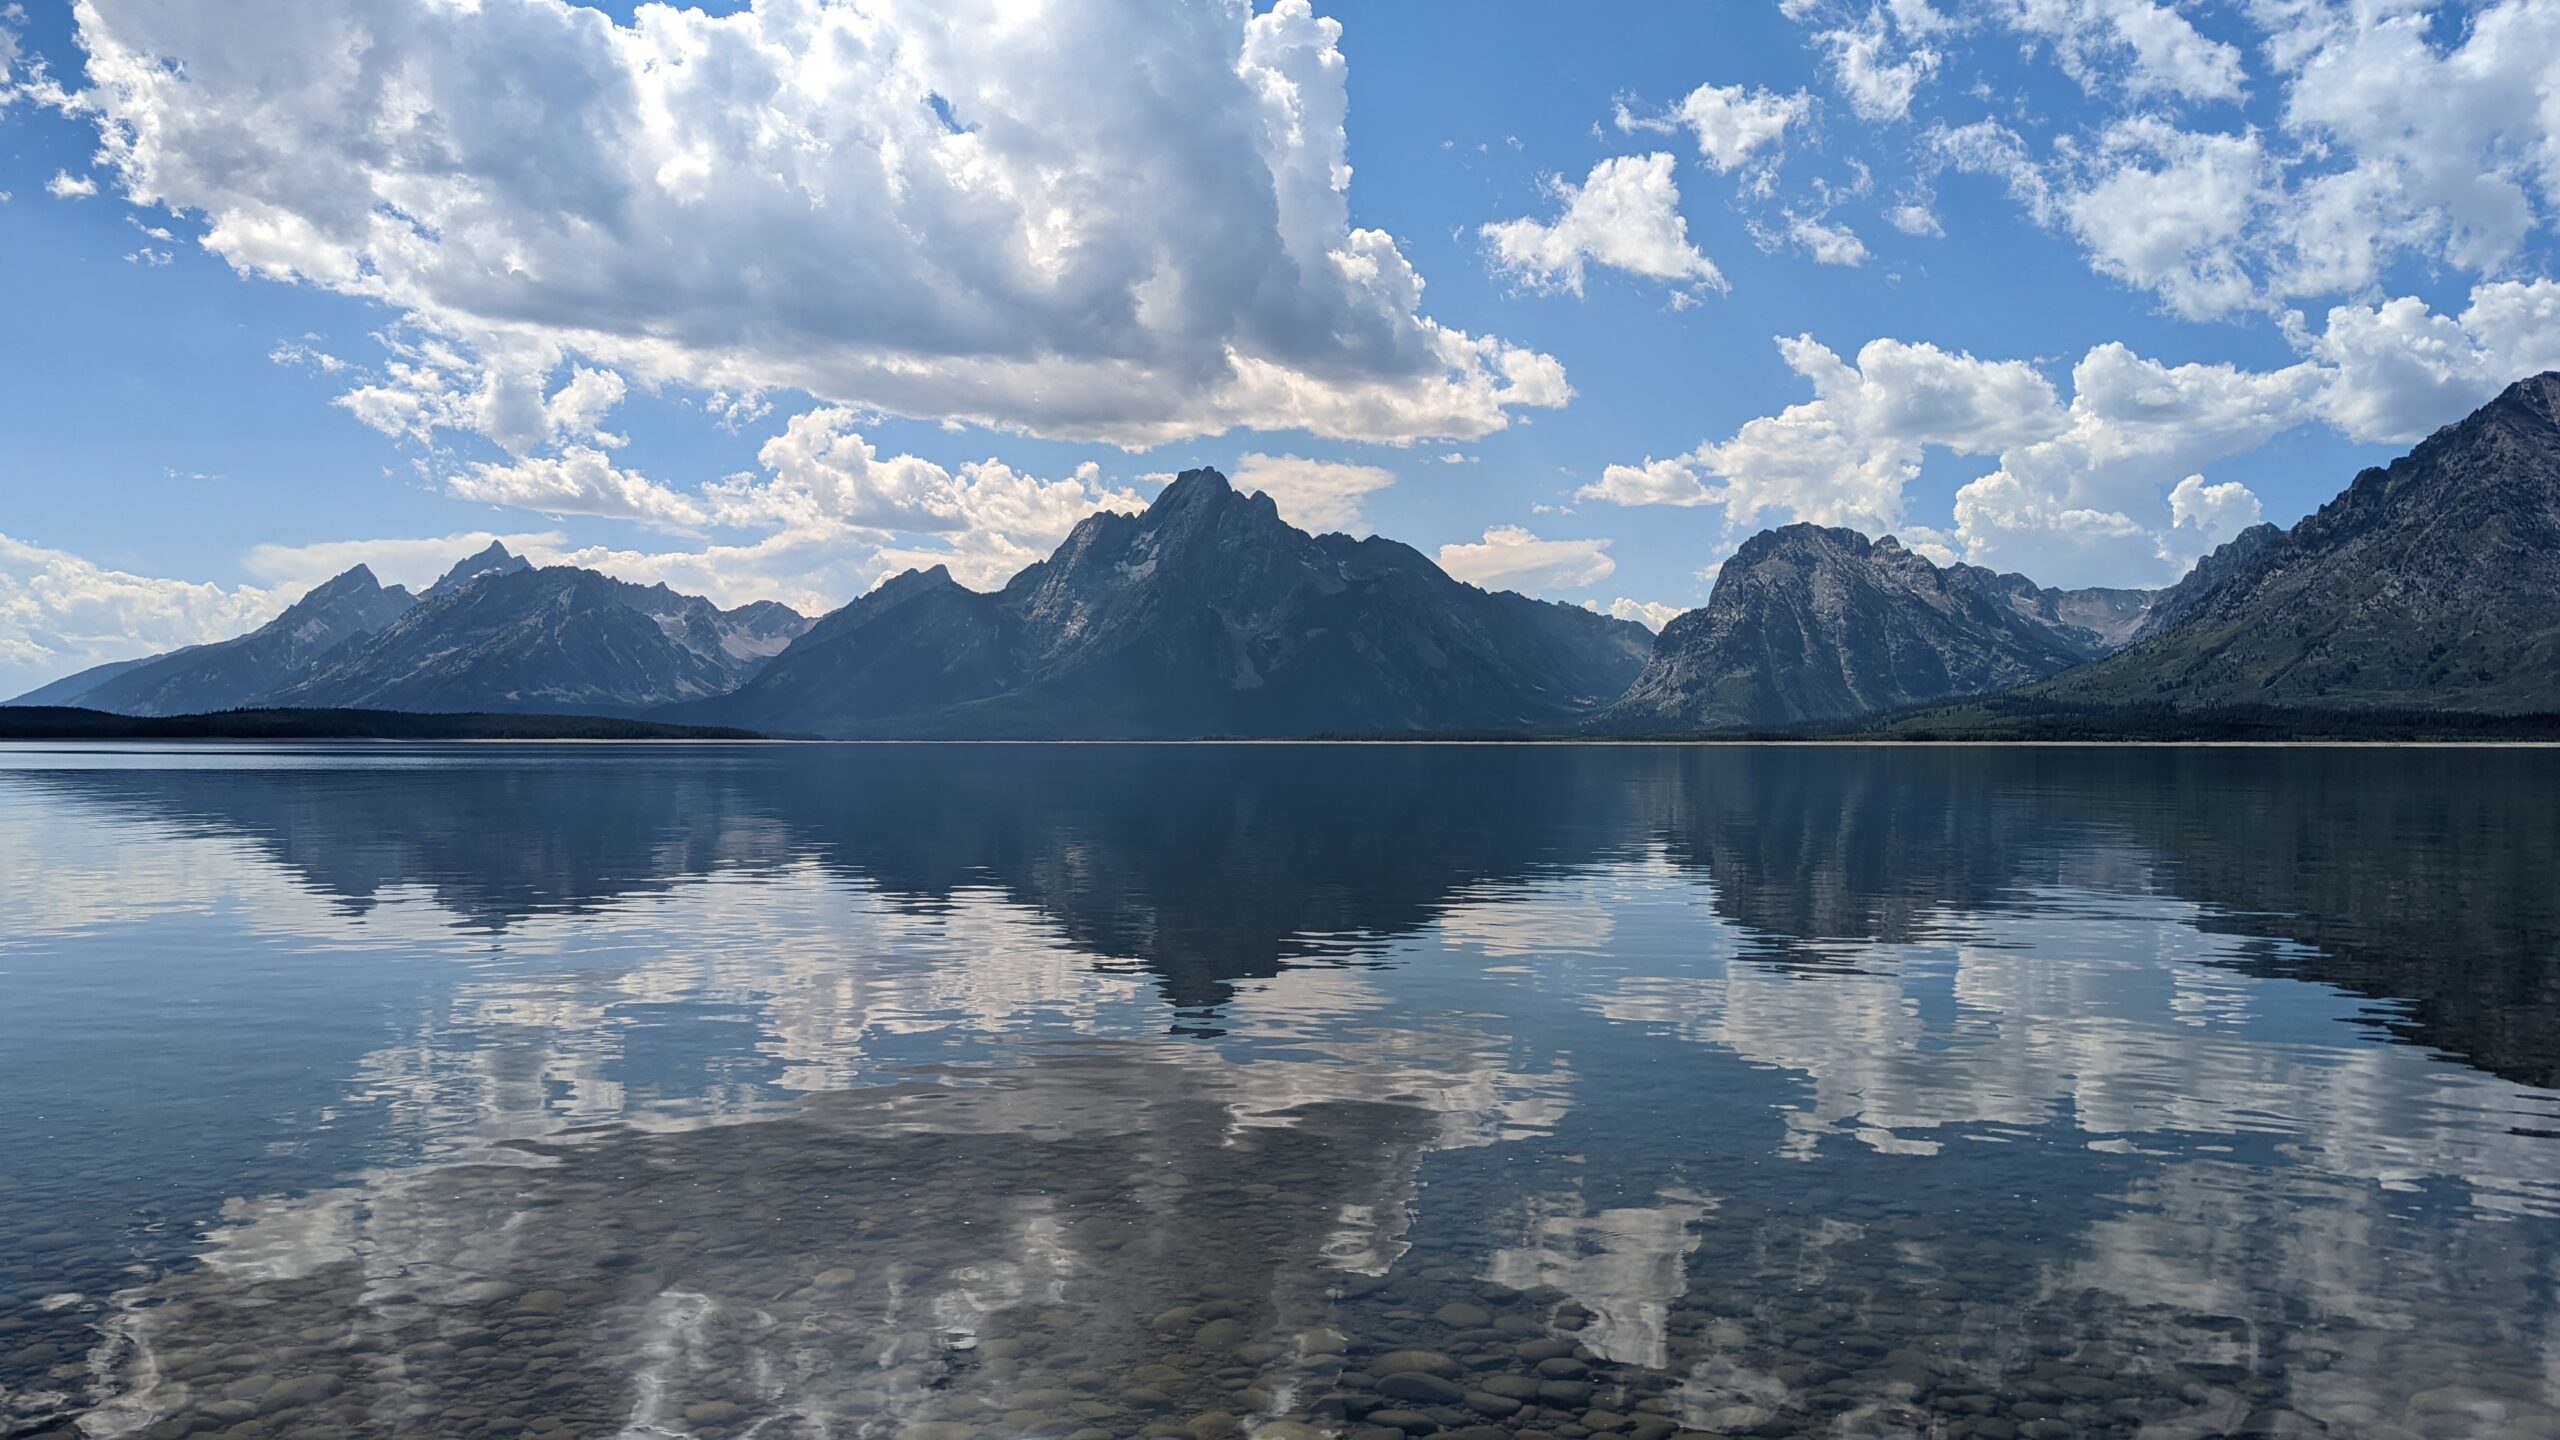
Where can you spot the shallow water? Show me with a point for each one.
(1195, 1090)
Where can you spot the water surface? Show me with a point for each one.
(1102, 1091)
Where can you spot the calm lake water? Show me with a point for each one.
(940, 1092)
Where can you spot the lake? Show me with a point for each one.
(1117, 1091)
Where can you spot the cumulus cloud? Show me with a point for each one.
(1316, 495)
(1879, 71)
(1731, 124)
(2082, 488)
(1826, 242)
(2108, 486)
(2401, 369)
(60, 613)
(1511, 558)
(824, 500)
(414, 561)
(2140, 46)
(1647, 613)
(1844, 457)
(2165, 209)
(1132, 225)
(2389, 144)
(66, 186)
(1625, 215)
(579, 481)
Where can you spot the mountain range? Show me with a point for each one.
(1207, 614)
(2430, 584)
(1810, 623)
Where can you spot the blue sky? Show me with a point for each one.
(774, 301)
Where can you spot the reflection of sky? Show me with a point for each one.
(2217, 1143)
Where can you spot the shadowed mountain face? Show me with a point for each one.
(1809, 623)
(2433, 582)
(1206, 615)
(241, 671)
(1213, 865)
(2234, 556)
(559, 640)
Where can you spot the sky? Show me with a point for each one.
(772, 300)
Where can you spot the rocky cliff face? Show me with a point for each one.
(1809, 624)
(559, 640)
(2433, 582)
(228, 674)
(2233, 557)
(1206, 615)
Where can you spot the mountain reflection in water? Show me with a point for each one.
(946, 1091)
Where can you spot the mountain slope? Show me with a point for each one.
(1206, 615)
(69, 689)
(560, 640)
(2231, 557)
(1809, 623)
(2431, 582)
(230, 673)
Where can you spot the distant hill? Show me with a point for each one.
(1206, 615)
(57, 722)
(560, 640)
(2430, 583)
(238, 671)
(1809, 623)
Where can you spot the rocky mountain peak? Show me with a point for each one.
(1813, 622)
(496, 559)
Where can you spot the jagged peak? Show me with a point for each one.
(358, 577)
(1195, 486)
(1802, 534)
(493, 559)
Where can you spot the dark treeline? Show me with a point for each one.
(68, 723)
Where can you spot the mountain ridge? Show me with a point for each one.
(1205, 614)
(555, 640)
(1811, 623)
(2431, 581)
(227, 674)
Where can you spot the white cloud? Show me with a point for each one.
(1625, 214)
(2087, 501)
(1731, 124)
(2390, 145)
(2107, 488)
(1844, 457)
(1647, 613)
(2214, 513)
(1878, 73)
(66, 186)
(579, 481)
(834, 513)
(2165, 209)
(1316, 495)
(416, 562)
(1139, 230)
(825, 482)
(1510, 558)
(60, 613)
(1827, 243)
(2401, 369)
(2143, 47)
(2083, 489)
(1913, 217)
